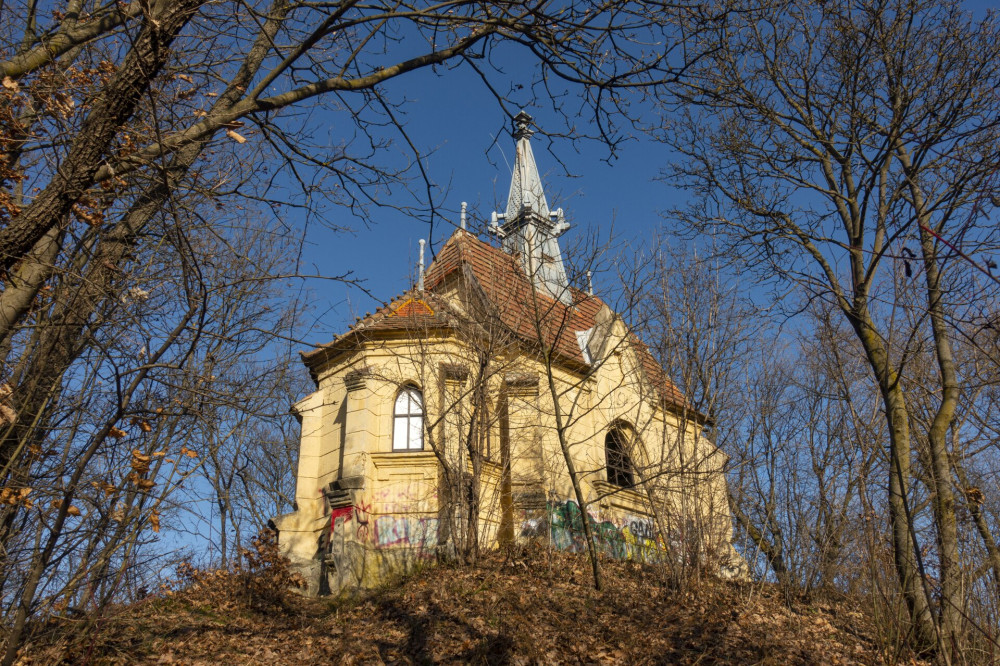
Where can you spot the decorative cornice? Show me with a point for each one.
(453, 372)
(355, 379)
(521, 383)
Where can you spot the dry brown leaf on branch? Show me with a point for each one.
(109, 489)
(14, 496)
(11, 84)
(238, 138)
(116, 432)
(140, 462)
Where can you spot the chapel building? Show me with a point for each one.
(484, 407)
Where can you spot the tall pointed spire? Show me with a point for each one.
(526, 192)
(530, 230)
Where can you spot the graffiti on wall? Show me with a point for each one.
(390, 530)
(635, 538)
(415, 532)
(358, 517)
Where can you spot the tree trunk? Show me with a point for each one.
(116, 105)
(943, 496)
(905, 550)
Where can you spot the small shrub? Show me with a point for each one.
(260, 580)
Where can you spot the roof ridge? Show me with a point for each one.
(506, 289)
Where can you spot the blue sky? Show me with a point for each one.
(455, 122)
(465, 136)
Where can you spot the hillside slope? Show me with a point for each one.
(536, 607)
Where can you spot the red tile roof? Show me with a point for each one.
(508, 293)
(508, 290)
(410, 311)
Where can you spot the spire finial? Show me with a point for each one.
(530, 229)
(522, 126)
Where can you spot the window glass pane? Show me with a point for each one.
(619, 465)
(407, 425)
(399, 431)
(416, 433)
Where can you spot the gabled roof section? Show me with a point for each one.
(410, 311)
(509, 294)
(411, 308)
(657, 377)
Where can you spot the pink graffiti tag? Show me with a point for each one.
(361, 513)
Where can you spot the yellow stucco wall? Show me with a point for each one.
(393, 518)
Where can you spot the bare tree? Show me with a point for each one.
(461, 376)
(656, 455)
(128, 132)
(829, 143)
(123, 90)
(105, 443)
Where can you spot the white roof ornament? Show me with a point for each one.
(583, 339)
(529, 229)
(420, 269)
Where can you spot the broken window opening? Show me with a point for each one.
(620, 472)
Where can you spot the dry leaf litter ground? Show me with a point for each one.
(532, 607)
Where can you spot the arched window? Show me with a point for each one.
(408, 420)
(619, 465)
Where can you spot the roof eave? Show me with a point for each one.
(354, 340)
(686, 412)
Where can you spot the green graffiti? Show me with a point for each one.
(635, 540)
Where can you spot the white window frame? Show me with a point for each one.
(408, 420)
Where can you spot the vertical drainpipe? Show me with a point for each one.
(420, 269)
(463, 215)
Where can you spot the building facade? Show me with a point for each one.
(495, 403)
